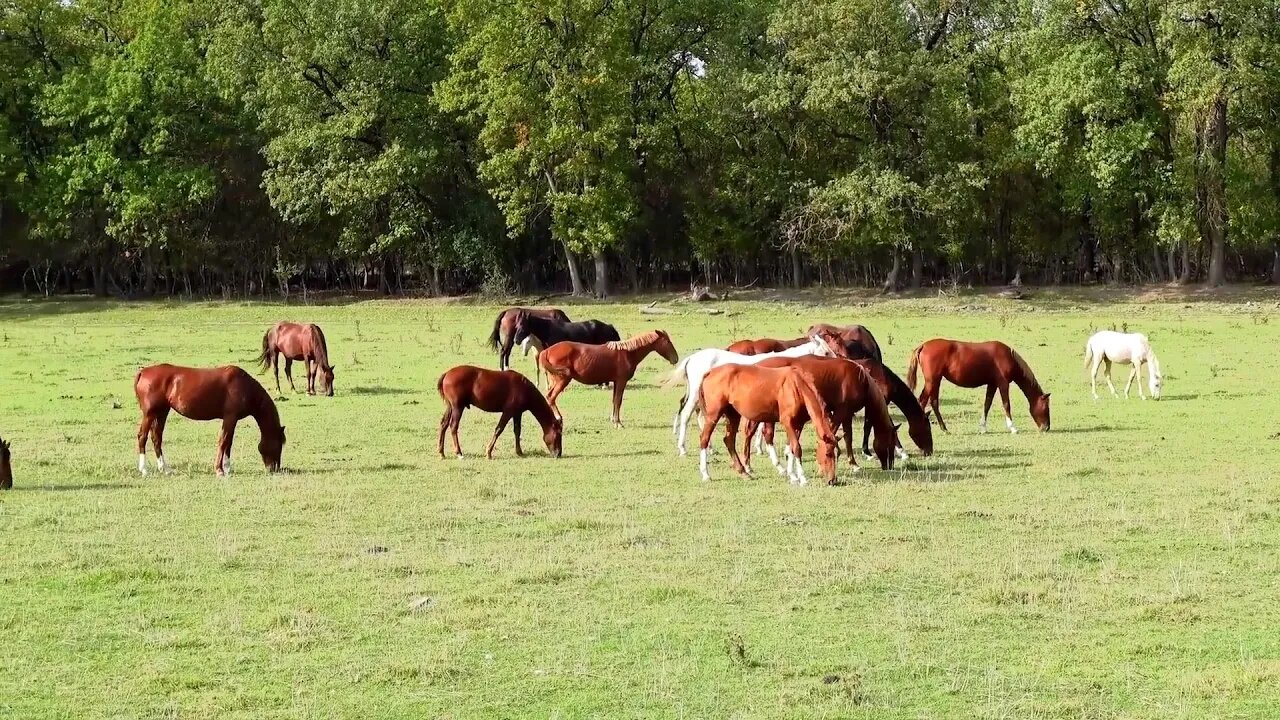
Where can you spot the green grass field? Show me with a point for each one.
(1124, 565)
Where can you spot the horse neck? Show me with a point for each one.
(636, 355)
(901, 395)
(538, 407)
(875, 407)
(321, 349)
(813, 404)
(1025, 381)
(264, 411)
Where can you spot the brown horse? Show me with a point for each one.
(6, 470)
(612, 362)
(972, 365)
(297, 342)
(226, 393)
(504, 330)
(858, 341)
(765, 345)
(784, 395)
(501, 391)
(845, 386)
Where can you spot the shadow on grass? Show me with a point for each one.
(378, 390)
(73, 488)
(1087, 429)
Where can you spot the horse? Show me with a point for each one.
(504, 330)
(543, 333)
(972, 365)
(845, 386)
(225, 393)
(613, 362)
(784, 395)
(765, 345)
(6, 470)
(696, 366)
(297, 342)
(1134, 349)
(501, 391)
(858, 341)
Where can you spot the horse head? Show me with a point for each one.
(885, 446)
(829, 344)
(270, 447)
(1040, 412)
(519, 326)
(1155, 382)
(6, 470)
(828, 448)
(666, 348)
(326, 373)
(553, 436)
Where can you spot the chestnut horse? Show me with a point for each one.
(501, 391)
(845, 386)
(765, 345)
(503, 336)
(974, 364)
(297, 342)
(613, 362)
(225, 393)
(6, 470)
(784, 395)
(858, 341)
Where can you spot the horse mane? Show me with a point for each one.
(1028, 377)
(321, 348)
(632, 343)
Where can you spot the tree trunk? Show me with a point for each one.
(99, 278)
(575, 278)
(917, 268)
(1211, 196)
(1157, 264)
(797, 272)
(602, 273)
(891, 280)
(1173, 263)
(1275, 264)
(1185, 277)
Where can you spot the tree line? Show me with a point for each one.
(262, 146)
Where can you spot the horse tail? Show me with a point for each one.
(1088, 354)
(912, 363)
(497, 326)
(677, 374)
(319, 347)
(265, 358)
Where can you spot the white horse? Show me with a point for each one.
(1109, 346)
(696, 366)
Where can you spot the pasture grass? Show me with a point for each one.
(1124, 565)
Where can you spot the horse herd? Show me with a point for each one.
(825, 378)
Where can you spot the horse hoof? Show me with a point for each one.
(459, 456)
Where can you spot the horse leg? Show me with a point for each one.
(515, 428)
(445, 422)
(866, 439)
(455, 419)
(619, 386)
(223, 465)
(986, 408)
(675, 419)
(502, 425)
(558, 384)
(143, 430)
(749, 430)
(686, 412)
(848, 438)
(1134, 372)
(704, 440)
(1093, 374)
(1004, 400)
(731, 434)
(932, 389)
(275, 364)
(794, 451)
(288, 372)
(1110, 384)
(157, 440)
(768, 434)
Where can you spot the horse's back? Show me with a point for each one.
(488, 390)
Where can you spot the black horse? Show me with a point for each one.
(504, 329)
(549, 331)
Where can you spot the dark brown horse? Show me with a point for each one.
(298, 342)
(501, 391)
(6, 470)
(504, 330)
(845, 386)
(765, 345)
(858, 340)
(897, 393)
(613, 362)
(784, 395)
(972, 365)
(226, 393)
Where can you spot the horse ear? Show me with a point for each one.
(896, 426)
(1046, 395)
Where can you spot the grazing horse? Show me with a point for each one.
(845, 386)
(765, 345)
(501, 391)
(297, 342)
(972, 365)
(696, 366)
(1109, 346)
(613, 362)
(897, 393)
(225, 393)
(6, 470)
(504, 330)
(783, 395)
(858, 341)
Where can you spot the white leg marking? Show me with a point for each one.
(142, 463)
(901, 452)
(702, 464)
(1008, 422)
(982, 424)
(226, 463)
(773, 458)
(160, 464)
